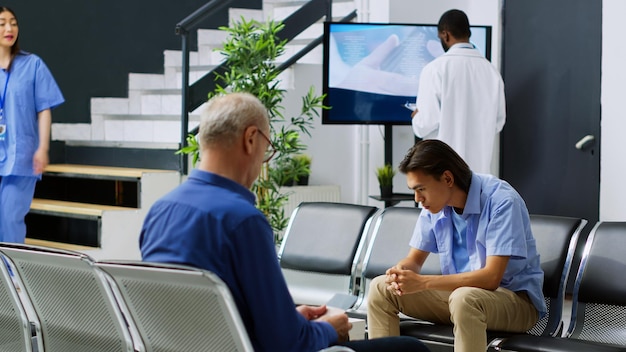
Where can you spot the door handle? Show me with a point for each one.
(585, 141)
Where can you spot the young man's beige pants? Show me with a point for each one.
(471, 310)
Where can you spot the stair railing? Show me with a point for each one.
(196, 94)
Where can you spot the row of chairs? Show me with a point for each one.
(332, 248)
(59, 301)
(54, 300)
(598, 316)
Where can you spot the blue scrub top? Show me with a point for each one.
(30, 90)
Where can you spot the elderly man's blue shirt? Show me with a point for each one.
(210, 222)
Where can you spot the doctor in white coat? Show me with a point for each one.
(460, 97)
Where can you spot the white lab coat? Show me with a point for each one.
(460, 101)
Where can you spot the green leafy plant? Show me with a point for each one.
(250, 53)
(301, 166)
(385, 175)
(295, 169)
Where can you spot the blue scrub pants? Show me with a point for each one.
(16, 194)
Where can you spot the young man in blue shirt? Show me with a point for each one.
(211, 222)
(491, 276)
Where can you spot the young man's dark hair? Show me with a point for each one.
(456, 23)
(433, 157)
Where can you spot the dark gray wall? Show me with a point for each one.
(91, 45)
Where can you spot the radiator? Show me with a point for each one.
(299, 194)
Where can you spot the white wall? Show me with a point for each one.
(613, 125)
(333, 147)
(348, 155)
(479, 12)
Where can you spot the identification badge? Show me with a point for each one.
(3, 131)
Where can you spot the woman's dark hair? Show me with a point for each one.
(433, 157)
(15, 49)
(455, 22)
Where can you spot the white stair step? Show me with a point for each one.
(161, 104)
(235, 14)
(123, 144)
(208, 41)
(148, 117)
(155, 101)
(139, 81)
(151, 113)
(71, 131)
(151, 131)
(315, 56)
(174, 58)
(211, 37)
(210, 55)
(280, 11)
(109, 106)
(125, 128)
(173, 77)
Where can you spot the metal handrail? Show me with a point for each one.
(300, 54)
(312, 44)
(192, 21)
(195, 95)
(182, 28)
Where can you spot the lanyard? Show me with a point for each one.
(466, 46)
(4, 94)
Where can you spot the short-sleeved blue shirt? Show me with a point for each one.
(498, 223)
(30, 90)
(210, 222)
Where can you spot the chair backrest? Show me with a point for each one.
(179, 308)
(320, 249)
(599, 294)
(74, 303)
(15, 333)
(388, 244)
(556, 238)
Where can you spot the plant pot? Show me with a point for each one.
(386, 191)
(303, 180)
(287, 182)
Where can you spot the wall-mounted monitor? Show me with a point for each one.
(371, 71)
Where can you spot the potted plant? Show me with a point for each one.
(302, 166)
(250, 52)
(385, 175)
(295, 170)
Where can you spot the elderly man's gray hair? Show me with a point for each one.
(226, 116)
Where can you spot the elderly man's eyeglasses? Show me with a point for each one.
(271, 151)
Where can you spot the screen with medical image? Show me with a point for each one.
(372, 70)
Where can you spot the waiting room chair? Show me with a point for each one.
(15, 325)
(556, 238)
(598, 321)
(73, 300)
(320, 250)
(179, 308)
(388, 244)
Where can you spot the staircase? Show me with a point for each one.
(150, 116)
(93, 209)
(99, 210)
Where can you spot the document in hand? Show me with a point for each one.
(342, 301)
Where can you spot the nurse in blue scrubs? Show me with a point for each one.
(28, 92)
